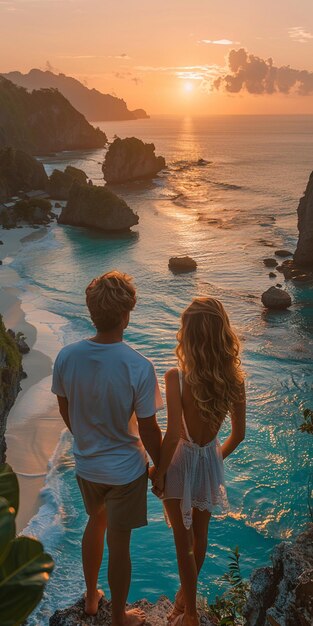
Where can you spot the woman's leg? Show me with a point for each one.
(186, 560)
(200, 527)
(200, 524)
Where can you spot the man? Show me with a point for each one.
(107, 392)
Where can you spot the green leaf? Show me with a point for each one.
(23, 575)
(7, 527)
(9, 488)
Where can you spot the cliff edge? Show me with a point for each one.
(10, 377)
(43, 121)
(304, 253)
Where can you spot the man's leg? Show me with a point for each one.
(119, 575)
(92, 552)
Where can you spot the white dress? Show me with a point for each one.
(196, 475)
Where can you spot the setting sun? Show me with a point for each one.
(188, 86)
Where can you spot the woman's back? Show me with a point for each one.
(200, 431)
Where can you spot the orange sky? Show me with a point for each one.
(163, 56)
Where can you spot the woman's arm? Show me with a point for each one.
(173, 431)
(238, 426)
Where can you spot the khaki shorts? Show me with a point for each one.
(125, 505)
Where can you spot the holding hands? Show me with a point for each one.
(158, 481)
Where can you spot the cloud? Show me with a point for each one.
(220, 42)
(186, 72)
(247, 72)
(297, 33)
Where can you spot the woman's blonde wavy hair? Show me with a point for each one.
(108, 298)
(208, 355)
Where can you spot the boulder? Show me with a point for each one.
(272, 275)
(304, 252)
(283, 253)
(275, 298)
(283, 594)
(97, 207)
(156, 614)
(60, 183)
(20, 171)
(270, 262)
(131, 159)
(182, 264)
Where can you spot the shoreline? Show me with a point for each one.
(33, 424)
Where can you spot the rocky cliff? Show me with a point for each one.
(96, 106)
(282, 595)
(60, 183)
(10, 376)
(131, 159)
(97, 207)
(304, 252)
(20, 172)
(156, 614)
(43, 121)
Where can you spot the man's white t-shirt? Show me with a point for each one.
(107, 386)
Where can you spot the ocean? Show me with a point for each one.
(228, 214)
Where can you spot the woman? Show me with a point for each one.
(208, 385)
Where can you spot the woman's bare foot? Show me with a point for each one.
(186, 620)
(92, 603)
(133, 617)
(178, 608)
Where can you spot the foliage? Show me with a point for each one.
(24, 566)
(228, 608)
(307, 424)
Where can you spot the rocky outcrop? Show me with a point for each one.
(96, 106)
(10, 376)
(131, 159)
(182, 264)
(43, 121)
(97, 207)
(156, 614)
(282, 595)
(304, 253)
(60, 183)
(292, 271)
(32, 212)
(20, 171)
(275, 298)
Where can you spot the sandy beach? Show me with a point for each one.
(34, 425)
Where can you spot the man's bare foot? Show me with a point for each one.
(91, 604)
(133, 617)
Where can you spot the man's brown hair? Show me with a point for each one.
(108, 297)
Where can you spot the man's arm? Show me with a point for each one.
(151, 437)
(63, 409)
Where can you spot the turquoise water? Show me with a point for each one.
(258, 169)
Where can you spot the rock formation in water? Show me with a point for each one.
(43, 121)
(96, 106)
(282, 595)
(97, 207)
(156, 614)
(182, 264)
(304, 253)
(275, 298)
(131, 159)
(20, 171)
(60, 183)
(34, 212)
(10, 376)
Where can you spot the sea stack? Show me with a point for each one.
(303, 256)
(131, 159)
(97, 207)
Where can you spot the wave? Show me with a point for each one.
(46, 525)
